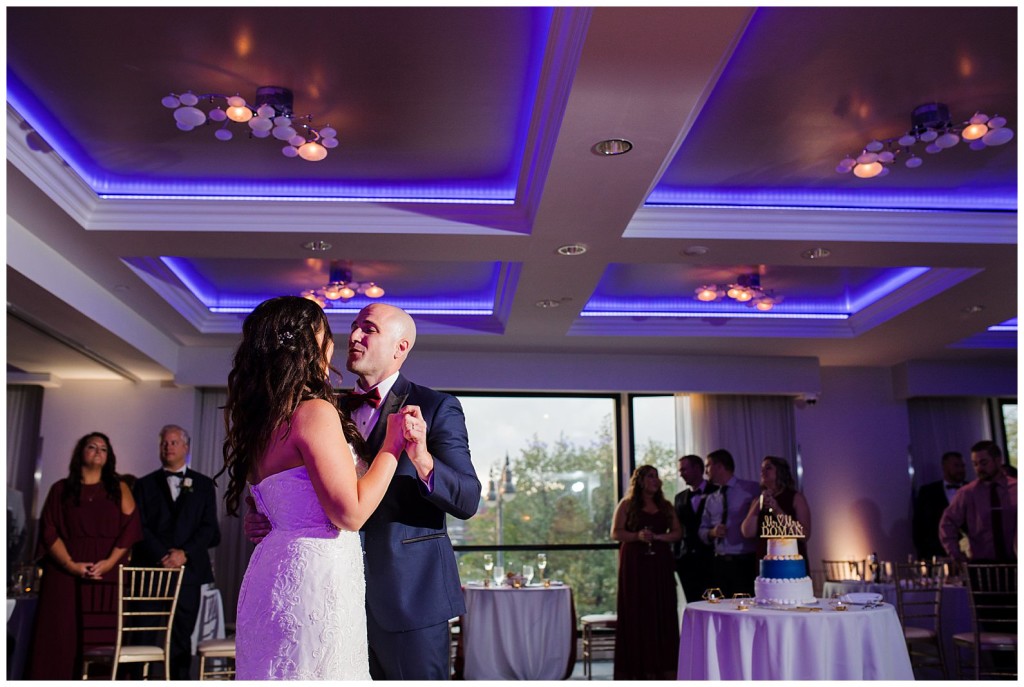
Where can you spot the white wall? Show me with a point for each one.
(853, 442)
(130, 414)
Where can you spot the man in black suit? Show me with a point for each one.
(693, 557)
(931, 501)
(179, 524)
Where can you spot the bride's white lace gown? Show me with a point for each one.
(301, 612)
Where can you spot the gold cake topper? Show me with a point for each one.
(781, 526)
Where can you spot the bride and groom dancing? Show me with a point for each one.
(306, 610)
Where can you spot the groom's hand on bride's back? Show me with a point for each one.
(257, 525)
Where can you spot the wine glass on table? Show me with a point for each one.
(527, 575)
(488, 567)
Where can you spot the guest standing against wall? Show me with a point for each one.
(647, 636)
(693, 556)
(932, 499)
(87, 525)
(987, 508)
(735, 563)
(179, 525)
(778, 495)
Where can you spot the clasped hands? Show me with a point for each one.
(88, 571)
(409, 421)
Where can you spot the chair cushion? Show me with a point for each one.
(918, 633)
(606, 620)
(217, 648)
(988, 639)
(100, 652)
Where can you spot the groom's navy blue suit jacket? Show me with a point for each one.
(412, 578)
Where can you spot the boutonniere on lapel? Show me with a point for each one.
(186, 484)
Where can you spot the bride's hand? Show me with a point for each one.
(414, 427)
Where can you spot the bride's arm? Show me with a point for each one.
(316, 433)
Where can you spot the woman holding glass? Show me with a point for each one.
(778, 495)
(647, 638)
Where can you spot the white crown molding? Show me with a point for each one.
(930, 284)
(43, 379)
(792, 224)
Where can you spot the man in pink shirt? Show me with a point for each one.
(986, 508)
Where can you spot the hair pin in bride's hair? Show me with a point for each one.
(285, 338)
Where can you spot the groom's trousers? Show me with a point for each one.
(414, 655)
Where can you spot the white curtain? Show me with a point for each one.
(749, 427)
(24, 409)
(938, 425)
(231, 557)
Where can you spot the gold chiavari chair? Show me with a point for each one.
(146, 600)
(843, 571)
(598, 635)
(993, 598)
(919, 604)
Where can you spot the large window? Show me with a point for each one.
(654, 437)
(547, 464)
(1008, 415)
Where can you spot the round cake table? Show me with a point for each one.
(720, 642)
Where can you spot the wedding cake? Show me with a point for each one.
(783, 578)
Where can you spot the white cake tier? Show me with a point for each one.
(782, 547)
(784, 592)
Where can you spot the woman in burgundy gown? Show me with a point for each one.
(87, 525)
(779, 495)
(647, 636)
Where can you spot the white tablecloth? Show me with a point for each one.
(719, 642)
(955, 612)
(518, 634)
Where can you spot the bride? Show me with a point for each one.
(301, 612)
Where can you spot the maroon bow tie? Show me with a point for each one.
(354, 400)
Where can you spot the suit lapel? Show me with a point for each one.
(161, 479)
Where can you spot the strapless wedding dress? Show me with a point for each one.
(301, 607)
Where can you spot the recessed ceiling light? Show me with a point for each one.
(695, 250)
(816, 253)
(548, 303)
(572, 249)
(612, 146)
(317, 246)
(972, 309)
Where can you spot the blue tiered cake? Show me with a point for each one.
(783, 578)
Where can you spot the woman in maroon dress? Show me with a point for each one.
(647, 636)
(88, 524)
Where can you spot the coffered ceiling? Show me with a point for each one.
(465, 161)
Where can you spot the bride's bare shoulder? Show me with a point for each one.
(315, 411)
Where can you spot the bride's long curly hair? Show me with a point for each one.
(277, 366)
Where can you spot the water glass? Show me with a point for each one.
(499, 574)
(527, 575)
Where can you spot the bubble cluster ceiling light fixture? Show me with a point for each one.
(341, 286)
(746, 289)
(270, 115)
(932, 125)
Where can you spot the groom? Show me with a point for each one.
(412, 578)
